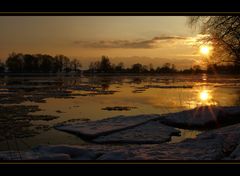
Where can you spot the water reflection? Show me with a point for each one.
(85, 97)
(204, 77)
(204, 95)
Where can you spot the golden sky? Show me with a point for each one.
(130, 39)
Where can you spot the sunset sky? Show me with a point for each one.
(130, 39)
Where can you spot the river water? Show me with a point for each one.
(96, 97)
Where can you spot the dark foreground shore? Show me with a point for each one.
(146, 137)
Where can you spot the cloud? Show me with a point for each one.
(170, 38)
(155, 42)
(116, 44)
(197, 40)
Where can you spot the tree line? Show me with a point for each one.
(105, 66)
(39, 63)
(43, 63)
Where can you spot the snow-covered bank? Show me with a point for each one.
(150, 133)
(218, 144)
(93, 129)
(204, 117)
(144, 138)
(152, 128)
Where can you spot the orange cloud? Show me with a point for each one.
(152, 43)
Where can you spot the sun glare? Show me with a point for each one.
(204, 50)
(204, 95)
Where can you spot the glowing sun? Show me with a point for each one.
(204, 50)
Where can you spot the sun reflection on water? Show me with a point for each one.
(204, 77)
(202, 94)
(205, 94)
(205, 97)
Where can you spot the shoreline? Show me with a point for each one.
(110, 74)
(146, 137)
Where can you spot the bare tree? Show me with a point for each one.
(223, 33)
(76, 65)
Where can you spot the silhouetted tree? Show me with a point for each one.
(173, 68)
(91, 67)
(28, 63)
(2, 67)
(214, 68)
(166, 68)
(119, 67)
(94, 66)
(196, 69)
(224, 34)
(151, 69)
(137, 68)
(145, 69)
(187, 71)
(66, 64)
(60, 62)
(46, 63)
(105, 65)
(15, 62)
(76, 65)
(40, 63)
